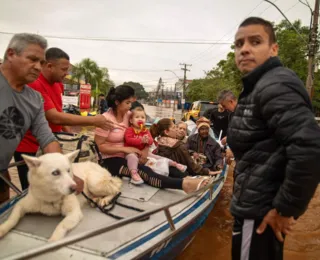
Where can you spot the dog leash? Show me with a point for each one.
(106, 209)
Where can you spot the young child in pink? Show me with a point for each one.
(138, 136)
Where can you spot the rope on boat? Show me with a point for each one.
(106, 209)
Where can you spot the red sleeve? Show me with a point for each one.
(47, 101)
(130, 139)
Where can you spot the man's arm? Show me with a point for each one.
(53, 147)
(60, 118)
(287, 110)
(41, 130)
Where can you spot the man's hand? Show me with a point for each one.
(279, 224)
(195, 155)
(229, 156)
(224, 140)
(102, 122)
(80, 184)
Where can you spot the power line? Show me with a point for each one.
(138, 70)
(218, 54)
(287, 20)
(128, 40)
(286, 11)
(194, 58)
(156, 80)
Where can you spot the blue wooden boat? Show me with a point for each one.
(174, 219)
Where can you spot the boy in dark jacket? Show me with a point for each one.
(276, 143)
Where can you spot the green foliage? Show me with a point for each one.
(224, 76)
(98, 78)
(138, 89)
(292, 52)
(292, 49)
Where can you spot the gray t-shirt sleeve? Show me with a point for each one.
(41, 130)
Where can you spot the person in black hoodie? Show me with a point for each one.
(276, 143)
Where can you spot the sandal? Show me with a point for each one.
(204, 179)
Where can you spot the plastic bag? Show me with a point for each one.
(160, 166)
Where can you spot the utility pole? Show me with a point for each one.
(184, 68)
(313, 47)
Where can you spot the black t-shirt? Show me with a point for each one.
(103, 106)
(220, 122)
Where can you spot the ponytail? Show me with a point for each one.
(154, 130)
(159, 128)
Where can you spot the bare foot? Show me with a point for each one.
(190, 185)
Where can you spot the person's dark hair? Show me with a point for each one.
(55, 54)
(119, 94)
(136, 104)
(101, 95)
(159, 128)
(268, 27)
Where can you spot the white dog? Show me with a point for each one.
(52, 188)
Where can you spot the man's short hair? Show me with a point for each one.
(268, 27)
(225, 95)
(20, 41)
(56, 54)
(101, 95)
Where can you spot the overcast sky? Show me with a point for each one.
(192, 20)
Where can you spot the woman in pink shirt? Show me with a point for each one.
(111, 145)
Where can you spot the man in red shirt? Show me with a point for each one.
(50, 86)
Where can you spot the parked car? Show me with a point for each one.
(197, 110)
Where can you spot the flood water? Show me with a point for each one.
(213, 240)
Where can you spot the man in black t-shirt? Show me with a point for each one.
(220, 119)
(103, 107)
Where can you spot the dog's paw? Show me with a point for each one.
(57, 235)
(54, 238)
(3, 231)
(104, 201)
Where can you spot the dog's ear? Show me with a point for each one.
(32, 162)
(71, 156)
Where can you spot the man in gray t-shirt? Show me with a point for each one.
(21, 107)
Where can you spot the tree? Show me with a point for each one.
(292, 49)
(138, 89)
(98, 78)
(86, 69)
(292, 52)
(89, 71)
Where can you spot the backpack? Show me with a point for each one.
(69, 142)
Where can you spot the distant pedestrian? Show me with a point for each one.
(103, 107)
